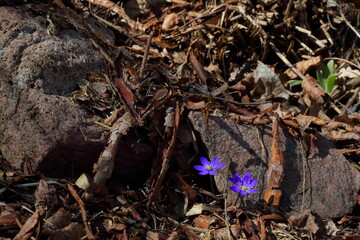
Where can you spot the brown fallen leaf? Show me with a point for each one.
(161, 164)
(305, 121)
(247, 226)
(272, 83)
(204, 221)
(119, 10)
(127, 98)
(304, 66)
(308, 221)
(195, 105)
(72, 231)
(80, 203)
(199, 69)
(312, 88)
(341, 134)
(261, 223)
(186, 188)
(169, 122)
(44, 197)
(223, 233)
(110, 225)
(29, 226)
(170, 21)
(156, 235)
(60, 219)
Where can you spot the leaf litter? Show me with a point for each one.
(227, 58)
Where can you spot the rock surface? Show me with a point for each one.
(41, 128)
(324, 183)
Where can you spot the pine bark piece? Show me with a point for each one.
(273, 191)
(105, 165)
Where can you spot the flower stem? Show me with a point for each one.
(212, 184)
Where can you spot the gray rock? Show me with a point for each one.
(41, 128)
(325, 183)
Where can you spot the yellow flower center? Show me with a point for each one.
(244, 188)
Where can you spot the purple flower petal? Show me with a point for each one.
(241, 192)
(203, 173)
(218, 166)
(215, 161)
(204, 161)
(235, 179)
(212, 172)
(246, 177)
(200, 168)
(252, 183)
(235, 188)
(252, 190)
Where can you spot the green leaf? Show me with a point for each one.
(330, 67)
(326, 77)
(325, 71)
(294, 82)
(330, 83)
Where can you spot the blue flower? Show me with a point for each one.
(244, 185)
(209, 167)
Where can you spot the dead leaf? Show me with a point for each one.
(29, 226)
(8, 216)
(170, 21)
(272, 83)
(351, 119)
(204, 221)
(72, 231)
(109, 225)
(340, 134)
(304, 66)
(151, 235)
(169, 122)
(44, 197)
(348, 72)
(308, 221)
(223, 233)
(60, 219)
(305, 121)
(331, 229)
(127, 97)
(312, 88)
(195, 105)
(261, 223)
(199, 69)
(161, 164)
(80, 203)
(119, 10)
(198, 208)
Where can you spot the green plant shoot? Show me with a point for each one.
(326, 77)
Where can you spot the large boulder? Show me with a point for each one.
(40, 127)
(324, 183)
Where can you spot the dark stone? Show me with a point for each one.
(324, 183)
(40, 127)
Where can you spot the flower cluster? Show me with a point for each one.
(243, 185)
